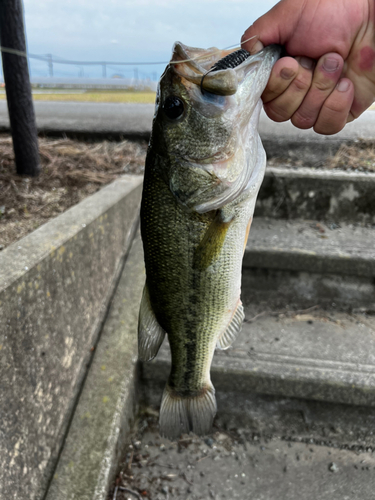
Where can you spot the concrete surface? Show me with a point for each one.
(103, 417)
(55, 285)
(318, 194)
(299, 245)
(237, 464)
(101, 118)
(320, 355)
(132, 119)
(300, 264)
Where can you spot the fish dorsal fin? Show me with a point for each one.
(229, 335)
(150, 333)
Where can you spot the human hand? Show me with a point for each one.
(331, 80)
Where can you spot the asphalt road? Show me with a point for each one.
(136, 119)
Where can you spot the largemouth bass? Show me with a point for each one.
(204, 167)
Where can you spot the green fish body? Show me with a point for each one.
(204, 167)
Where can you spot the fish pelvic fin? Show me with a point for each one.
(184, 414)
(150, 333)
(209, 249)
(229, 335)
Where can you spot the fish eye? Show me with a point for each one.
(173, 107)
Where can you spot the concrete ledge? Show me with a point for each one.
(104, 414)
(55, 285)
(301, 246)
(331, 195)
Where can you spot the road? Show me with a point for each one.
(136, 119)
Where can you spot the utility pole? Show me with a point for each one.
(18, 89)
(50, 64)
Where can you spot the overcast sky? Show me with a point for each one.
(133, 30)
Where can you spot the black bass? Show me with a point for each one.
(204, 167)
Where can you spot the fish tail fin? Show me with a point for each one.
(182, 414)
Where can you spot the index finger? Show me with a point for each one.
(282, 75)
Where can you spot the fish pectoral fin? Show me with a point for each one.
(182, 414)
(212, 242)
(229, 335)
(150, 333)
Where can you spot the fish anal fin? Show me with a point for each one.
(184, 414)
(229, 335)
(212, 242)
(150, 333)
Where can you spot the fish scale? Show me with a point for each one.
(193, 257)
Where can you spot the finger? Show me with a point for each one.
(283, 107)
(336, 108)
(282, 75)
(271, 28)
(326, 75)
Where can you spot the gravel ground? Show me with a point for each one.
(239, 464)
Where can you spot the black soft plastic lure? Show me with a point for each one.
(230, 61)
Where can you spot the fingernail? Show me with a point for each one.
(330, 64)
(287, 73)
(257, 47)
(343, 85)
(306, 62)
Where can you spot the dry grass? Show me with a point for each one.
(71, 170)
(360, 156)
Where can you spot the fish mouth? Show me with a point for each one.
(217, 71)
(240, 163)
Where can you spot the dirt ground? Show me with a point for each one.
(72, 170)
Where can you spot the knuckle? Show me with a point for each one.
(324, 85)
(302, 120)
(301, 84)
(328, 127)
(276, 114)
(333, 107)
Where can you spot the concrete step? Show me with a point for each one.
(303, 263)
(314, 355)
(324, 352)
(321, 194)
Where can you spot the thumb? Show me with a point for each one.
(276, 26)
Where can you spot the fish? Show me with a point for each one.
(204, 167)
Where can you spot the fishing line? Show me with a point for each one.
(218, 51)
(99, 63)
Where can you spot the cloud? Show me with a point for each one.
(144, 30)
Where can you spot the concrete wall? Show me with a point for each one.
(55, 286)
